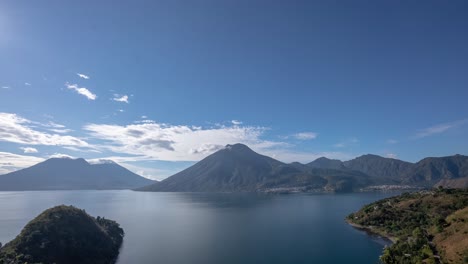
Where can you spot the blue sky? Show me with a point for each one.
(158, 85)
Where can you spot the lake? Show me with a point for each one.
(196, 228)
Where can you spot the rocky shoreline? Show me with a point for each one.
(372, 231)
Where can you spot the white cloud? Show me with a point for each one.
(236, 122)
(5, 87)
(305, 135)
(206, 149)
(148, 141)
(155, 141)
(174, 143)
(83, 150)
(57, 128)
(83, 76)
(29, 150)
(60, 131)
(121, 110)
(392, 156)
(440, 128)
(118, 98)
(146, 121)
(83, 91)
(61, 156)
(54, 125)
(347, 143)
(11, 162)
(16, 129)
(128, 162)
(27, 84)
(144, 117)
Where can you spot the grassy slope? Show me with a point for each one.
(452, 242)
(421, 224)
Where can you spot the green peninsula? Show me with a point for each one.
(65, 234)
(426, 226)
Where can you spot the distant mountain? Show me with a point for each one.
(377, 166)
(234, 168)
(446, 171)
(451, 171)
(325, 163)
(238, 168)
(71, 174)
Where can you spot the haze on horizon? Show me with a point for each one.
(159, 85)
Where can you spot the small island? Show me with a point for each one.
(65, 234)
(425, 227)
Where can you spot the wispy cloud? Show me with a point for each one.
(60, 130)
(16, 129)
(174, 142)
(305, 135)
(83, 76)
(54, 125)
(157, 141)
(236, 122)
(27, 84)
(142, 170)
(206, 149)
(10, 162)
(347, 143)
(440, 128)
(29, 150)
(5, 87)
(83, 91)
(61, 156)
(392, 141)
(145, 141)
(82, 150)
(119, 98)
(56, 128)
(391, 155)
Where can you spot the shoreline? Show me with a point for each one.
(372, 231)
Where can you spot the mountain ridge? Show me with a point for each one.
(71, 174)
(238, 168)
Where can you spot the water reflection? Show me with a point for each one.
(226, 200)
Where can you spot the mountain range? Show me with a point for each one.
(237, 168)
(72, 174)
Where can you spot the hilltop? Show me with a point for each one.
(65, 234)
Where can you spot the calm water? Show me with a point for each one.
(214, 228)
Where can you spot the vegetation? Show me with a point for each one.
(426, 226)
(65, 234)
